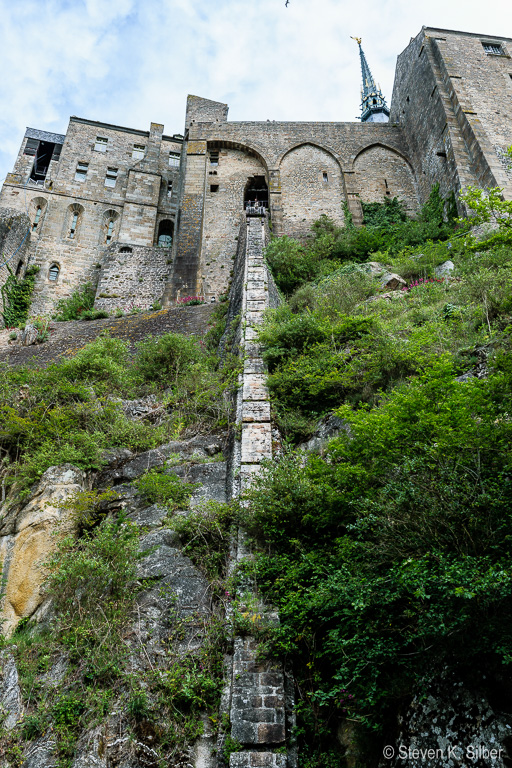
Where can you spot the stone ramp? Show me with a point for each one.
(66, 339)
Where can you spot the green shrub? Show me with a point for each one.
(80, 301)
(164, 488)
(164, 360)
(103, 361)
(93, 314)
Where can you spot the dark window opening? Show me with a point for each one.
(169, 188)
(19, 268)
(38, 216)
(256, 196)
(43, 155)
(441, 154)
(53, 272)
(493, 48)
(125, 249)
(407, 99)
(110, 231)
(74, 224)
(325, 176)
(374, 101)
(214, 187)
(214, 157)
(165, 233)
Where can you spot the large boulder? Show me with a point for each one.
(28, 537)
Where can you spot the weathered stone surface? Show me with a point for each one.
(256, 443)
(444, 269)
(255, 387)
(41, 754)
(328, 428)
(257, 411)
(11, 705)
(211, 479)
(28, 538)
(454, 722)
(391, 281)
(29, 336)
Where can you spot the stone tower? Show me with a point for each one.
(373, 104)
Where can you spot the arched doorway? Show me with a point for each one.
(256, 196)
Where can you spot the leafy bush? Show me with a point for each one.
(164, 360)
(17, 296)
(104, 361)
(164, 488)
(389, 557)
(80, 301)
(93, 314)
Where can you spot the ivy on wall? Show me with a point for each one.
(17, 296)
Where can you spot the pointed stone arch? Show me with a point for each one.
(311, 186)
(381, 172)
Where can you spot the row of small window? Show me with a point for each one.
(138, 151)
(110, 176)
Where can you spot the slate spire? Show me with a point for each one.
(373, 104)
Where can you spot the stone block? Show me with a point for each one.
(256, 443)
(258, 411)
(254, 387)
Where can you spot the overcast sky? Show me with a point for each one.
(130, 62)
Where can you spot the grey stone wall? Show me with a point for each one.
(139, 200)
(132, 276)
(14, 242)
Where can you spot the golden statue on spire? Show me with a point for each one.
(357, 39)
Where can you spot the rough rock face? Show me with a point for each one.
(27, 539)
(451, 726)
(11, 704)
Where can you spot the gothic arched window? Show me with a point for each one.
(53, 272)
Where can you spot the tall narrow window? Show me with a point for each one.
(325, 176)
(169, 188)
(138, 151)
(38, 216)
(214, 157)
(19, 268)
(100, 145)
(81, 171)
(110, 231)
(53, 272)
(111, 177)
(174, 159)
(74, 223)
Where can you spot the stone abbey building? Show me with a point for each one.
(150, 217)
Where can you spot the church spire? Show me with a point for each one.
(373, 104)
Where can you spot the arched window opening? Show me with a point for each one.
(74, 224)
(19, 267)
(37, 217)
(165, 233)
(256, 196)
(53, 272)
(110, 231)
(125, 249)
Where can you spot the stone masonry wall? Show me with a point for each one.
(382, 173)
(136, 203)
(224, 210)
(14, 243)
(311, 185)
(257, 700)
(132, 279)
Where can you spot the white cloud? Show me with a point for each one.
(133, 61)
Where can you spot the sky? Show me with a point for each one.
(132, 62)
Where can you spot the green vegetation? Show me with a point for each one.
(16, 297)
(159, 487)
(80, 301)
(68, 412)
(388, 554)
(386, 229)
(93, 582)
